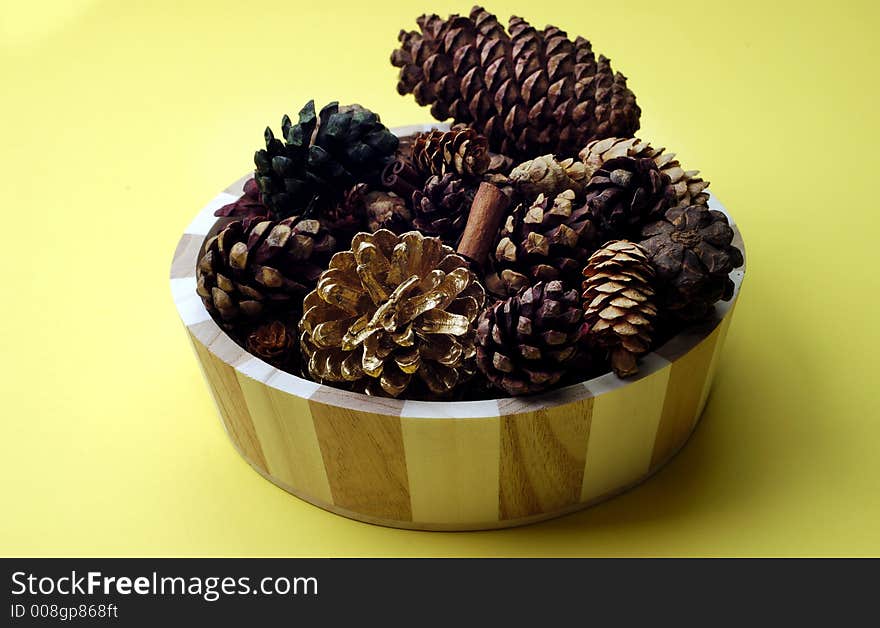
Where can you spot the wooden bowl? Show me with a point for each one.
(450, 465)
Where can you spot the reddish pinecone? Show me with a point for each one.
(441, 208)
(626, 193)
(550, 239)
(460, 151)
(618, 301)
(525, 343)
(529, 91)
(692, 253)
(248, 206)
(248, 273)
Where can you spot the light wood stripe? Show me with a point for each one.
(686, 381)
(453, 469)
(622, 433)
(283, 425)
(230, 402)
(186, 255)
(542, 459)
(365, 461)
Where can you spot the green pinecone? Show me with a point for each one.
(311, 169)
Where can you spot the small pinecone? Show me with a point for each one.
(249, 206)
(391, 310)
(551, 239)
(626, 193)
(689, 188)
(548, 176)
(273, 342)
(692, 253)
(526, 342)
(322, 156)
(380, 209)
(441, 209)
(619, 303)
(460, 151)
(529, 91)
(270, 266)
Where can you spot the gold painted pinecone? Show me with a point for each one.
(391, 310)
(549, 239)
(618, 301)
(460, 151)
(548, 176)
(689, 187)
(248, 273)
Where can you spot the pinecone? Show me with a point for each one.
(441, 208)
(268, 267)
(689, 188)
(545, 175)
(551, 239)
(249, 206)
(273, 342)
(626, 193)
(619, 303)
(529, 91)
(526, 342)
(380, 209)
(391, 308)
(321, 157)
(692, 253)
(460, 151)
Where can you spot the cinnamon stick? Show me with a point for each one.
(487, 212)
(399, 176)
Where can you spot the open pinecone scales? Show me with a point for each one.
(460, 151)
(619, 305)
(393, 312)
(529, 91)
(269, 266)
(689, 187)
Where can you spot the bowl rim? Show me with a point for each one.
(206, 331)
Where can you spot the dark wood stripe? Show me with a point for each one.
(364, 459)
(542, 459)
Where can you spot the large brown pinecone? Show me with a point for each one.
(626, 193)
(689, 187)
(529, 91)
(391, 310)
(549, 239)
(270, 266)
(526, 342)
(548, 176)
(692, 253)
(619, 305)
(460, 151)
(441, 208)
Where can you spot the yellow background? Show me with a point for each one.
(120, 121)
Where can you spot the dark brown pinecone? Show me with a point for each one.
(249, 206)
(441, 208)
(526, 342)
(529, 91)
(689, 186)
(460, 151)
(251, 272)
(618, 300)
(273, 342)
(692, 253)
(626, 193)
(549, 239)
